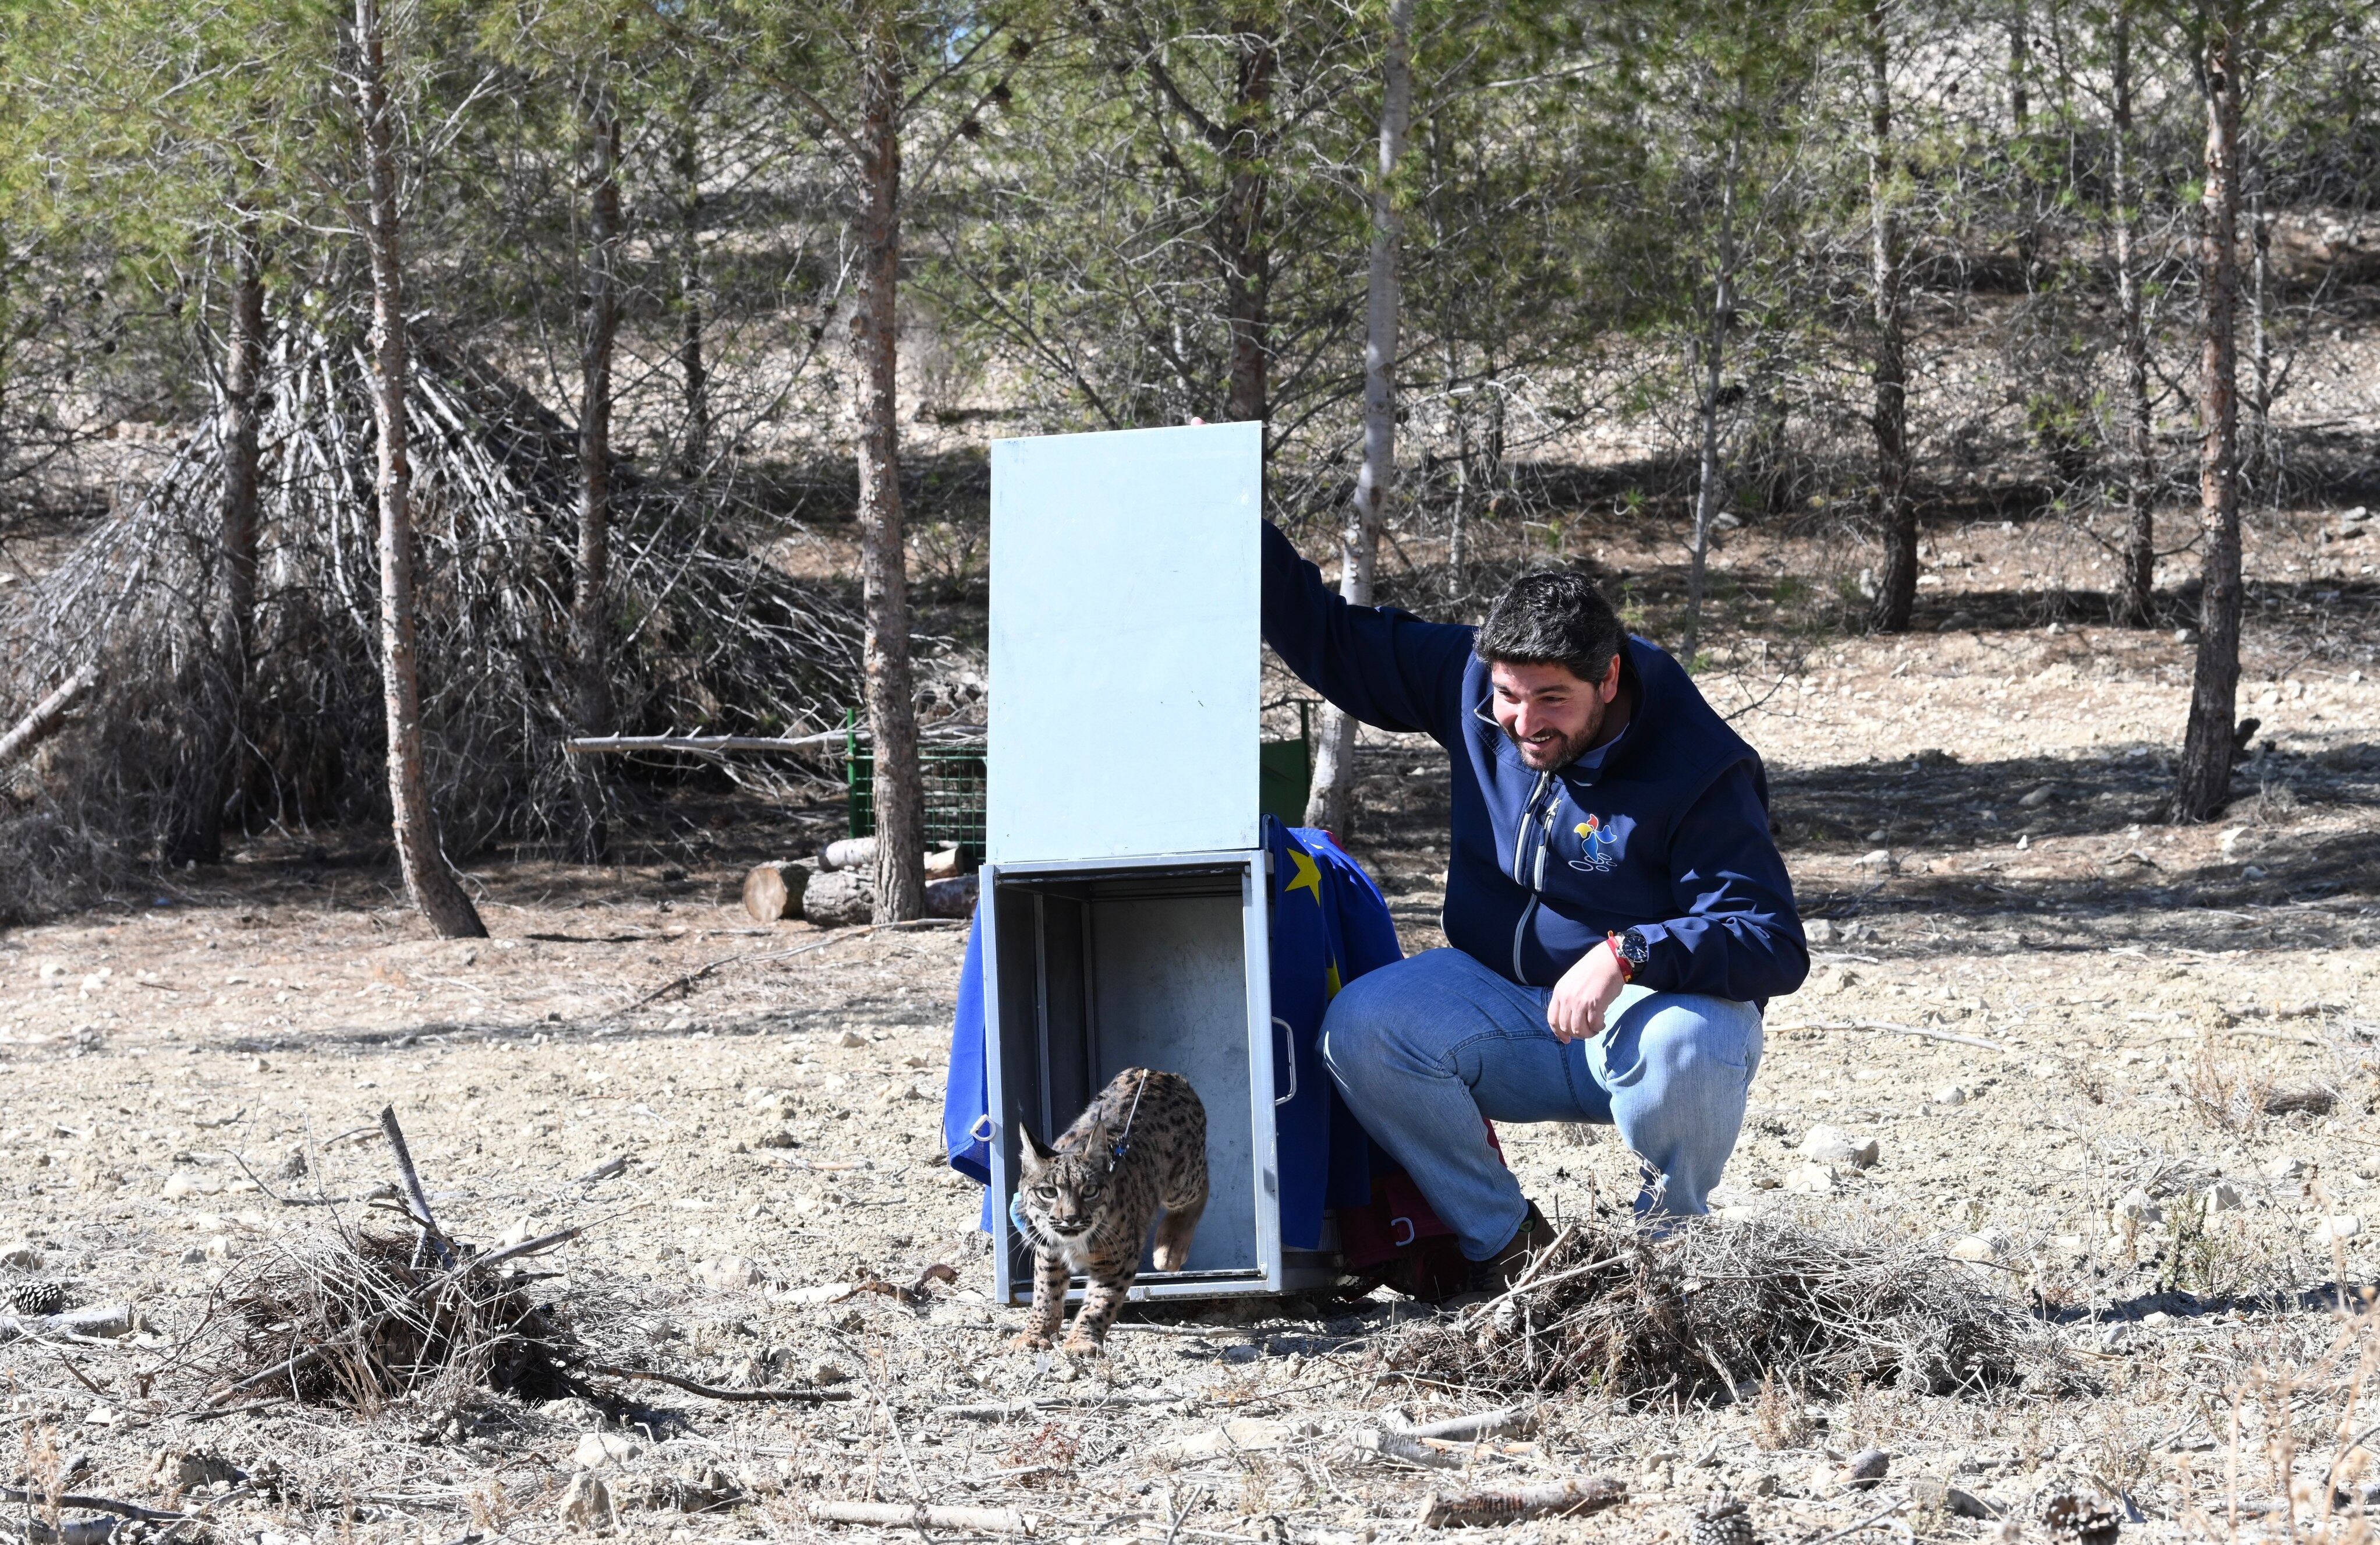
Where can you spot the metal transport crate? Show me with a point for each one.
(1125, 874)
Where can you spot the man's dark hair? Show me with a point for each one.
(1552, 619)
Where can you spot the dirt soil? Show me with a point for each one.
(2126, 1068)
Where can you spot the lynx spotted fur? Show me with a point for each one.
(1086, 1205)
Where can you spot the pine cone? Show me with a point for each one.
(1722, 1521)
(35, 1297)
(2072, 1517)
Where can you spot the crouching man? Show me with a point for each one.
(1616, 907)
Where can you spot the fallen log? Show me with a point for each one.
(1511, 1504)
(47, 716)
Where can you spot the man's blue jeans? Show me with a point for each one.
(1421, 1050)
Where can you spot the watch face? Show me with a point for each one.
(1634, 948)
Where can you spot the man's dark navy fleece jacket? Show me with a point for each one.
(1665, 830)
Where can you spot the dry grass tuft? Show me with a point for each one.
(2228, 1091)
(1718, 1306)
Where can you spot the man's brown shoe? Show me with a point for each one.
(1501, 1270)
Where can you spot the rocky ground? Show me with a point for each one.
(2122, 1070)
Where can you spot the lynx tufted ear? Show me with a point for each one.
(1034, 1157)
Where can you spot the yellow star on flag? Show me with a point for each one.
(1309, 876)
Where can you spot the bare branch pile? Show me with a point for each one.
(279, 716)
(361, 1319)
(1718, 1305)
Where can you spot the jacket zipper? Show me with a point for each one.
(1530, 816)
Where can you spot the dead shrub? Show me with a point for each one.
(360, 1320)
(2228, 1092)
(1717, 1304)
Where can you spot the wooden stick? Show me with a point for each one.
(1579, 1495)
(840, 936)
(417, 1200)
(1503, 1422)
(1562, 1499)
(94, 1504)
(1928, 1033)
(811, 1396)
(590, 745)
(919, 1516)
(47, 716)
(1410, 1451)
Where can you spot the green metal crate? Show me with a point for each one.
(953, 773)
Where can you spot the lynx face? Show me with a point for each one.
(1064, 1197)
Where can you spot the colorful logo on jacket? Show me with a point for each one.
(1599, 847)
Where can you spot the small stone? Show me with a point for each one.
(1811, 1180)
(2286, 1166)
(21, 1257)
(2156, 1319)
(598, 1450)
(2138, 1206)
(2223, 1197)
(181, 1183)
(827, 1373)
(1981, 1248)
(1865, 1469)
(2338, 1228)
(851, 1040)
(1829, 1145)
(729, 1271)
(1950, 1096)
(1818, 931)
(587, 1505)
(2037, 797)
(1876, 858)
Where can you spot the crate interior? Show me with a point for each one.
(1103, 970)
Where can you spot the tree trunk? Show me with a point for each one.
(2203, 784)
(2262, 469)
(238, 423)
(2028, 239)
(1708, 489)
(1248, 256)
(1359, 543)
(892, 711)
(694, 375)
(589, 608)
(428, 881)
(2136, 584)
(1895, 590)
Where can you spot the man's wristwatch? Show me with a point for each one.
(1631, 949)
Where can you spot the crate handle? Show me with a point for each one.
(1289, 1041)
(983, 1128)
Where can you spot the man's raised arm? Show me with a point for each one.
(1387, 668)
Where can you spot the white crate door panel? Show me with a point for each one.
(1124, 643)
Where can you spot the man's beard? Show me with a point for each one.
(1547, 758)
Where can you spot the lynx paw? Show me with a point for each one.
(1168, 1258)
(1080, 1344)
(1028, 1340)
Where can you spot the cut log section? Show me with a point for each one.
(772, 891)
